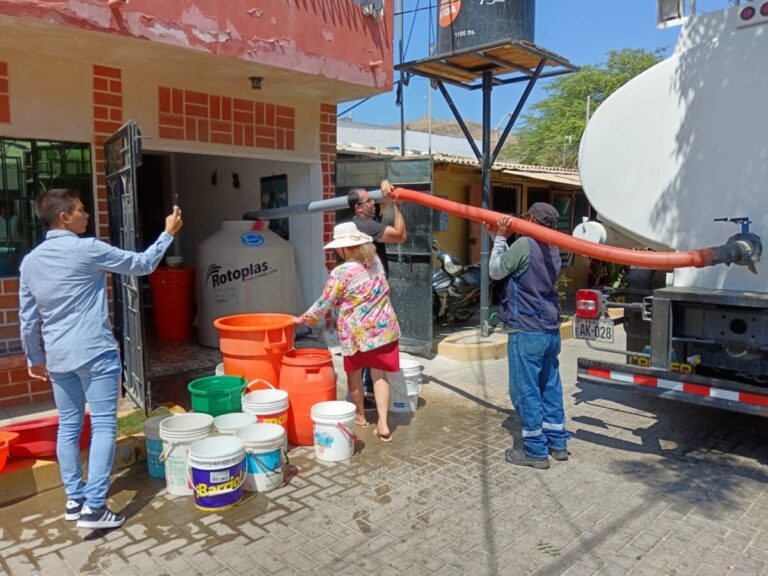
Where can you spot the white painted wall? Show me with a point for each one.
(49, 99)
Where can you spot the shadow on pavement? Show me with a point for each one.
(700, 456)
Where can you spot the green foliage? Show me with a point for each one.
(133, 422)
(561, 284)
(608, 274)
(550, 135)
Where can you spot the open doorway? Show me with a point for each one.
(210, 190)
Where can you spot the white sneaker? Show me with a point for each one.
(72, 509)
(100, 518)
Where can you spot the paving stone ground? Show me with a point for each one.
(653, 487)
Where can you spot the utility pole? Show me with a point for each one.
(402, 85)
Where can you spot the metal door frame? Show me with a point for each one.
(122, 156)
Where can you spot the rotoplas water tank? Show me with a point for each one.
(242, 271)
(466, 23)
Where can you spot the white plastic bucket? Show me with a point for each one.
(269, 406)
(411, 371)
(155, 466)
(333, 424)
(178, 433)
(265, 456)
(228, 424)
(217, 472)
(219, 369)
(400, 399)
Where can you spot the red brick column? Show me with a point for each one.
(107, 119)
(5, 95)
(328, 162)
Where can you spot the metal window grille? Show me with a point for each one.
(27, 169)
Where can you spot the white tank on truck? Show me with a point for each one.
(684, 144)
(678, 159)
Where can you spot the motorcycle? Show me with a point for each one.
(455, 288)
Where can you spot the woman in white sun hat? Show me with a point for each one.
(367, 325)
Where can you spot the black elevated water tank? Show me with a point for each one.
(466, 23)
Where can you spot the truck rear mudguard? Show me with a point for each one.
(675, 386)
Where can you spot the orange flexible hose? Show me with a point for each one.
(640, 258)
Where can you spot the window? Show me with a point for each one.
(27, 169)
(572, 205)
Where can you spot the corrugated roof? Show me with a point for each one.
(551, 174)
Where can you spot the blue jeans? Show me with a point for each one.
(96, 382)
(536, 391)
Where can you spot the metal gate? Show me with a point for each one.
(122, 155)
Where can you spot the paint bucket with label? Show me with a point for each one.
(178, 433)
(270, 406)
(265, 456)
(155, 465)
(217, 472)
(228, 424)
(334, 422)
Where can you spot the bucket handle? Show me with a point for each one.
(346, 431)
(194, 488)
(247, 386)
(168, 447)
(284, 461)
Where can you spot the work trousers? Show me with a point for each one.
(536, 390)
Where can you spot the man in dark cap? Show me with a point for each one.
(530, 312)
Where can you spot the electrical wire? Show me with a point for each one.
(363, 101)
(410, 33)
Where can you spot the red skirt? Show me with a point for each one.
(386, 358)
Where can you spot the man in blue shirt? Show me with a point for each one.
(67, 338)
(530, 312)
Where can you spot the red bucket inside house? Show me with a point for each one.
(37, 438)
(172, 302)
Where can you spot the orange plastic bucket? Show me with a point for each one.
(308, 377)
(253, 345)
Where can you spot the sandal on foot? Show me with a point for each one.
(363, 425)
(384, 438)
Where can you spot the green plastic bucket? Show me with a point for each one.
(216, 395)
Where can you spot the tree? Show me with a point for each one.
(550, 135)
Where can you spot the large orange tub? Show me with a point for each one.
(253, 344)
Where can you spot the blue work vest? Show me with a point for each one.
(530, 301)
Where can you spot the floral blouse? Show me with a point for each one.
(366, 320)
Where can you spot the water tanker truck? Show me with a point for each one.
(674, 160)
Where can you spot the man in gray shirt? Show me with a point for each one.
(367, 221)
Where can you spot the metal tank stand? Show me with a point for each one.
(483, 67)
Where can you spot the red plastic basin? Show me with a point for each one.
(6, 438)
(37, 438)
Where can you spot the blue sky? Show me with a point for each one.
(582, 31)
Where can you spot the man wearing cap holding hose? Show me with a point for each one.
(530, 312)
